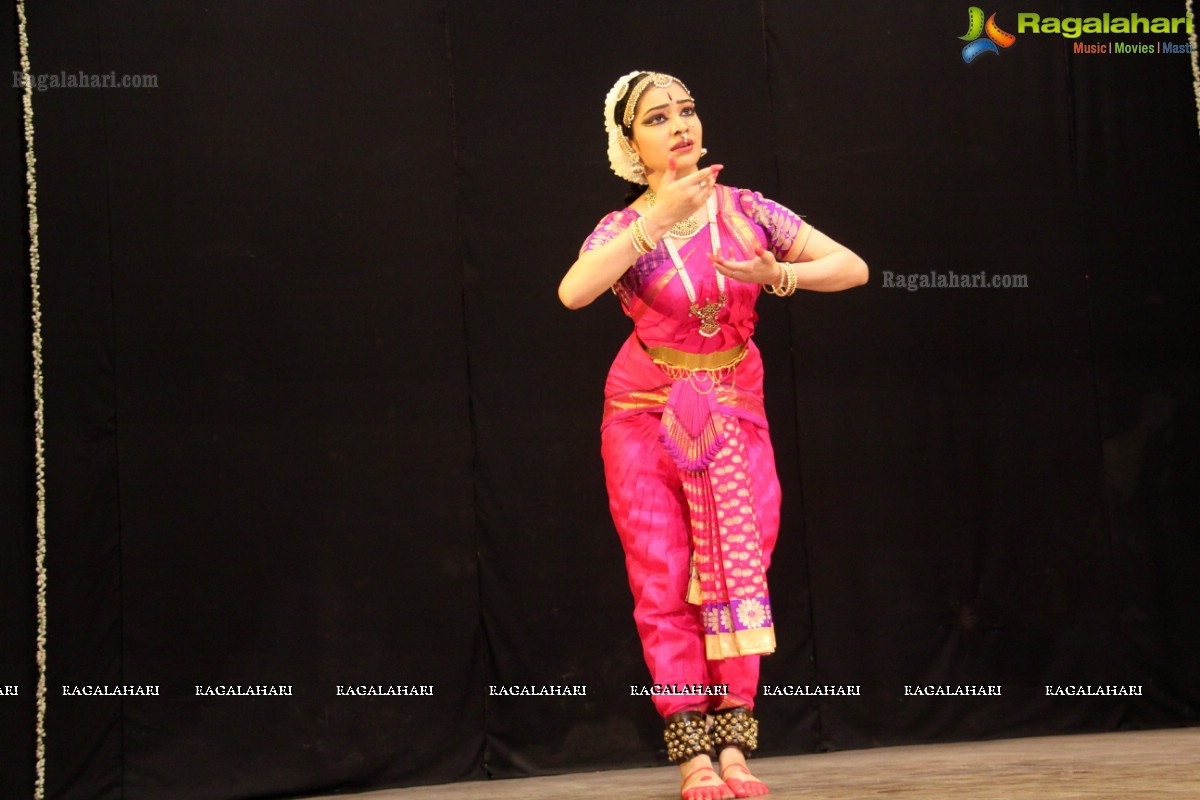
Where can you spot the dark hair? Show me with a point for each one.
(632, 190)
(619, 106)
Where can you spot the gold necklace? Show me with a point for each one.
(707, 313)
(684, 229)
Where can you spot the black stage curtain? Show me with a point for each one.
(316, 419)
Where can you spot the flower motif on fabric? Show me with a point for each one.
(712, 619)
(751, 613)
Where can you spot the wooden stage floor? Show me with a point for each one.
(1130, 766)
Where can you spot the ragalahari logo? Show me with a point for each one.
(996, 38)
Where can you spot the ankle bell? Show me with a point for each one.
(686, 736)
(735, 727)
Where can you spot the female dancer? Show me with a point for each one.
(687, 459)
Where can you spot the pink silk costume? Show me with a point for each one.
(688, 461)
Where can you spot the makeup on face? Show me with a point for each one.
(665, 126)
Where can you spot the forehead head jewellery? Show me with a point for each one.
(657, 79)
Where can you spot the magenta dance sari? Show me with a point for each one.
(685, 440)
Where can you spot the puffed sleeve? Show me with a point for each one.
(608, 229)
(784, 227)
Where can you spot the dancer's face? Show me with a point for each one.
(666, 125)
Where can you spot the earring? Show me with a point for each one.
(703, 152)
(635, 161)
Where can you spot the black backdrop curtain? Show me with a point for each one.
(315, 417)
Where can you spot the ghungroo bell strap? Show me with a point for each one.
(735, 727)
(686, 736)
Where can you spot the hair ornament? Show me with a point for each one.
(619, 152)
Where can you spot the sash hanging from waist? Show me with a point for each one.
(728, 580)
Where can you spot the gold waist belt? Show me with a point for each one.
(695, 362)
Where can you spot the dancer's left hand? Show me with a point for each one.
(761, 269)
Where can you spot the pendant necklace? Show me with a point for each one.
(684, 229)
(707, 313)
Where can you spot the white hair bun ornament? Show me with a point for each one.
(618, 148)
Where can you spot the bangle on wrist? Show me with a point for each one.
(642, 242)
(787, 281)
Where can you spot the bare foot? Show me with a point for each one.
(700, 781)
(737, 775)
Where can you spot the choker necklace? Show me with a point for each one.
(707, 313)
(684, 229)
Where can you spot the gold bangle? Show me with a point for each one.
(777, 288)
(651, 245)
(637, 247)
(787, 282)
(642, 241)
(638, 238)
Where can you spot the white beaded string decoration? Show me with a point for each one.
(708, 312)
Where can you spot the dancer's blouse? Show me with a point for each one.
(654, 297)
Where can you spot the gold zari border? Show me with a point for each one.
(798, 246)
(759, 641)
